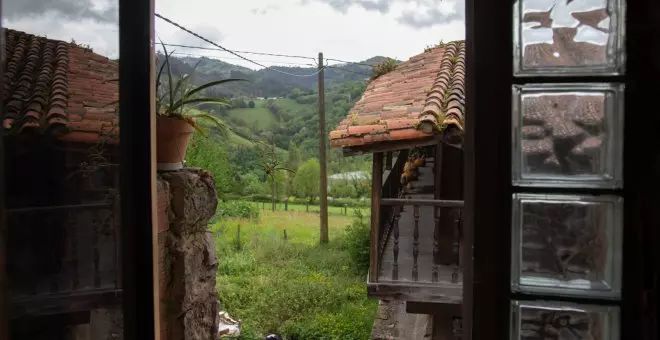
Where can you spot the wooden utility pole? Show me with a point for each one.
(323, 183)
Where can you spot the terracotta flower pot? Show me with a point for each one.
(172, 137)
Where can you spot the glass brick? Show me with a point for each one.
(561, 37)
(567, 245)
(568, 135)
(566, 321)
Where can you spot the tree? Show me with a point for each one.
(208, 153)
(306, 182)
(251, 104)
(271, 165)
(295, 157)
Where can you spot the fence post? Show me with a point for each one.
(285, 236)
(238, 237)
(286, 207)
(346, 209)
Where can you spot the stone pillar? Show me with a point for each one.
(187, 257)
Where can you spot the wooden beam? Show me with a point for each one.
(434, 293)
(63, 303)
(388, 146)
(421, 202)
(437, 170)
(388, 161)
(376, 194)
(415, 307)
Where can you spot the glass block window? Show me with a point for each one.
(562, 37)
(567, 245)
(559, 320)
(568, 135)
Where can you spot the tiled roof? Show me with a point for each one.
(58, 88)
(420, 97)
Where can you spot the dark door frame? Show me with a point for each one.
(138, 167)
(137, 187)
(488, 189)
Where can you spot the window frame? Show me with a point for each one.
(138, 169)
(488, 182)
(137, 173)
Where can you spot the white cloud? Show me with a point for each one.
(373, 27)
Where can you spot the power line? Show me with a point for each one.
(234, 53)
(230, 58)
(244, 52)
(349, 62)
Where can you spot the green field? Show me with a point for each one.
(263, 118)
(313, 208)
(295, 108)
(293, 286)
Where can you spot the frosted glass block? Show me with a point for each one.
(567, 245)
(568, 135)
(562, 37)
(541, 320)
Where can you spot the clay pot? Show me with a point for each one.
(172, 137)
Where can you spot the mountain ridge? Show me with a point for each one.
(275, 81)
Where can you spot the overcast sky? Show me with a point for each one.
(343, 29)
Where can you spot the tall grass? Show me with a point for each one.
(293, 286)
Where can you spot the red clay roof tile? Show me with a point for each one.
(61, 82)
(428, 88)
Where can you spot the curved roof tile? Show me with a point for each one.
(422, 96)
(59, 88)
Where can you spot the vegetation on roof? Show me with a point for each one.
(383, 68)
(431, 47)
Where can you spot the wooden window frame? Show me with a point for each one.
(488, 188)
(137, 174)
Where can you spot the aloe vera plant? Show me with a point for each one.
(176, 97)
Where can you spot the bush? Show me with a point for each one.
(356, 242)
(241, 209)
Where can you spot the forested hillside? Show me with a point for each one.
(272, 109)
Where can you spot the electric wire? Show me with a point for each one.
(236, 54)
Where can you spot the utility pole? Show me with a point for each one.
(323, 192)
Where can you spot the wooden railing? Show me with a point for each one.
(391, 189)
(395, 207)
(61, 252)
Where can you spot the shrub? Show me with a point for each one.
(357, 242)
(383, 68)
(241, 209)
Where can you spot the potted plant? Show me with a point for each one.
(177, 119)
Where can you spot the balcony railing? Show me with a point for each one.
(59, 254)
(415, 256)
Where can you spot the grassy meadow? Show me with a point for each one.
(294, 286)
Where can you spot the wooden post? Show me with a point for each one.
(238, 237)
(323, 192)
(442, 327)
(376, 192)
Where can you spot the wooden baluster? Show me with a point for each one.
(457, 246)
(395, 248)
(73, 234)
(96, 231)
(415, 242)
(436, 244)
(388, 161)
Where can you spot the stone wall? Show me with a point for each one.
(187, 257)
